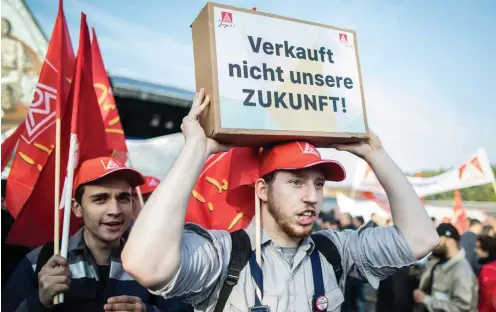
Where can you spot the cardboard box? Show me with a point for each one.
(274, 79)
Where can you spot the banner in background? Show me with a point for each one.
(473, 172)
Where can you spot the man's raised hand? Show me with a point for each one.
(193, 131)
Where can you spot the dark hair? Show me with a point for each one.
(486, 229)
(474, 222)
(270, 177)
(360, 219)
(78, 195)
(488, 244)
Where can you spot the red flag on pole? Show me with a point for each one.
(81, 121)
(115, 135)
(223, 198)
(459, 220)
(87, 139)
(37, 139)
(30, 190)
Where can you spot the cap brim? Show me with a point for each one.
(333, 170)
(133, 176)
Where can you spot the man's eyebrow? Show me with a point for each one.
(126, 194)
(99, 195)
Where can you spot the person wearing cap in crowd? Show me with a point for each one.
(92, 277)
(146, 191)
(448, 282)
(174, 259)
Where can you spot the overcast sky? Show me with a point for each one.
(428, 66)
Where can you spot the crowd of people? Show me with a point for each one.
(126, 257)
(464, 281)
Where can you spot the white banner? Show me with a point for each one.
(475, 171)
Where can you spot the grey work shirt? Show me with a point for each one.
(370, 253)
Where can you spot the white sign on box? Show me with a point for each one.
(278, 74)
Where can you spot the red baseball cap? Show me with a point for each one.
(97, 168)
(150, 185)
(299, 155)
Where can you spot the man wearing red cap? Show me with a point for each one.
(174, 259)
(91, 277)
(146, 191)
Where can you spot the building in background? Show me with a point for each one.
(24, 46)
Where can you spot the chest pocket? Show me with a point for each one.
(334, 297)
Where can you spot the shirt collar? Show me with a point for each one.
(77, 243)
(306, 244)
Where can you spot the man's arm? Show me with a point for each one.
(408, 212)
(152, 254)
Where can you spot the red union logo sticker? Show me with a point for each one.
(343, 38)
(226, 17)
(226, 20)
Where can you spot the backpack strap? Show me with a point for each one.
(329, 250)
(240, 253)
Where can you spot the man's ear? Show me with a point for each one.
(262, 190)
(77, 209)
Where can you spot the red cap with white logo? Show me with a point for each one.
(97, 168)
(150, 185)
(299, 155)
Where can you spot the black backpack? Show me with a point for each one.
(240, 253)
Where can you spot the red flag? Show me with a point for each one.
(459, 220)
(34, 225)
(9, 145)
(31, 180)
(86, 122)
(113, 127)
(38, 136)
(223, 198)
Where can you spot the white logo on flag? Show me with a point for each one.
(41, 114)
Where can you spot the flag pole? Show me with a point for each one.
(56, 208)
(68, 199)
(258, 244)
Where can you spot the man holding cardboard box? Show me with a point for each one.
(188, 261)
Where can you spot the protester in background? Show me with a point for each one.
(486, 251)
(373, 220)
(92, 277)
(448, 283)
(146, 190)
(395, 292)
(358, 221)
(346, 222)
(468, 241)
(330, 223)
(487, 230)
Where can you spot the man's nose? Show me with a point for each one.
(311, 196)
(114, 207)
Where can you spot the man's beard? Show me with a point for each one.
(440, 252)
(284, 222)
